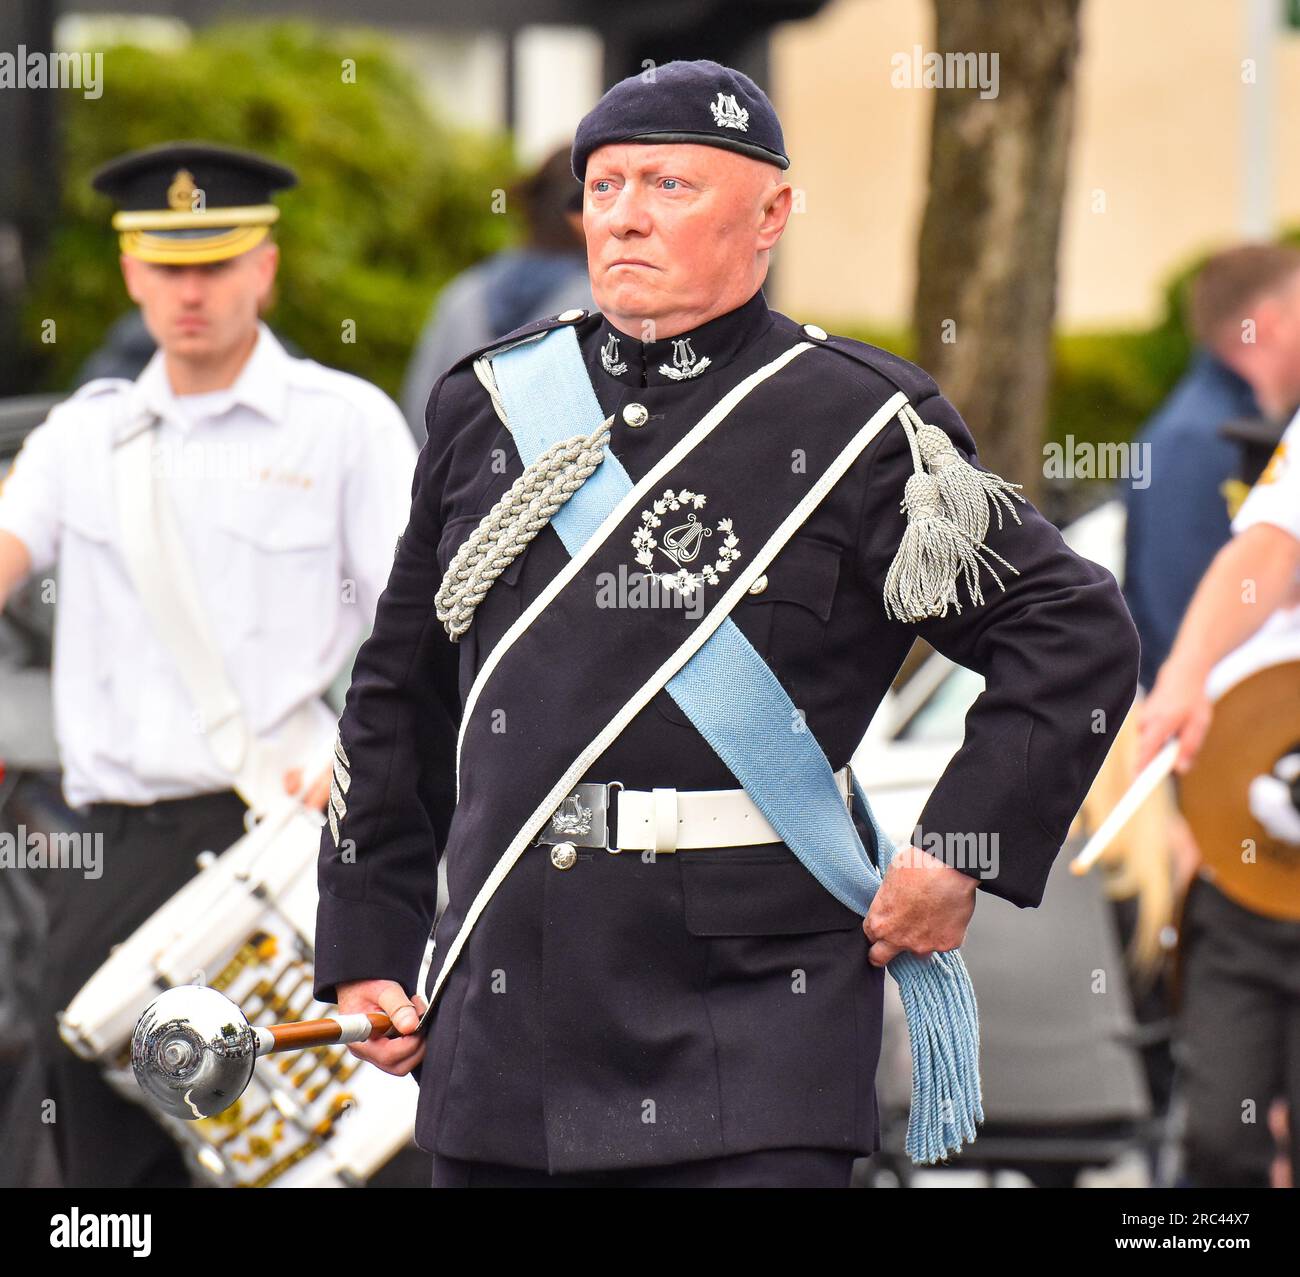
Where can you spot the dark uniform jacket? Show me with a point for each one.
(628, 1011)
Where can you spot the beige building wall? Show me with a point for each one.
(1156, 166)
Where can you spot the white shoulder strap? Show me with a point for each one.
(164, 580)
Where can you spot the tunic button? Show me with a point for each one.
(760, 584)
(570, 316)
(563, 855)
(818, 334)
(636, 414)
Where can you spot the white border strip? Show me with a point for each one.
(699, 636)
(634, 498)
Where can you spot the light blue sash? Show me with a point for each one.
(739, 706)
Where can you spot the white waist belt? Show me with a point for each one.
(664, 819)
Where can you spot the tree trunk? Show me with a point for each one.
(986, 285)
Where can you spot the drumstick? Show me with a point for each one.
(1137, 793)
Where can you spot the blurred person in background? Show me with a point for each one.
(1239, 979)
(1173, 529)
(280, 488)
(1177, 524)
(548, 274)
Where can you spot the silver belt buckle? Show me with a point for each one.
(582, 818)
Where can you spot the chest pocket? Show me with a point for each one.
(285, 563)
(756, 891)
(786, 621)
(89, 524)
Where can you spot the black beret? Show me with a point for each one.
(701, 102)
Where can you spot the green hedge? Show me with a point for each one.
(391, 204)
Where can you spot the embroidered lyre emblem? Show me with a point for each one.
(728, 113)
(682, 543)
(684, 364)
(609, 359)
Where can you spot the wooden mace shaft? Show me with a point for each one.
(307, 1033)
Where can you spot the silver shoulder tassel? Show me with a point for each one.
(946, 500)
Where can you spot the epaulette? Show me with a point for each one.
(524, 332)
(946, 499)
(910, 378)
(100, 386)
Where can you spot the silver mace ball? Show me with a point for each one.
(193, 1049)
(193, 1052)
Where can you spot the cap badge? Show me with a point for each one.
(728, 113)
(682, 543)
(180, 194)
(609, 359)
(684, 364)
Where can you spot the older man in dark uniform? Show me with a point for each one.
(710, 1016)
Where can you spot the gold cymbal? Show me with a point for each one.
(1255, 723)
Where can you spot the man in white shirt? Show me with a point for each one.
(281, 488)
(1239, 1017)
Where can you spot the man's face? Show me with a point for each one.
(672, 228)
(205, 311)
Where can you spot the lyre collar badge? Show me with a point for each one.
(609, 359)
(685, 363)
(681, 543)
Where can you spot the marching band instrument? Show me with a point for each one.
(1255, 723)
(240, 936)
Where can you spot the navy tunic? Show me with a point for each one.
(627, 1012)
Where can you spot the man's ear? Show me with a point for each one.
(131, 277)
(777, 204)
(268, 263)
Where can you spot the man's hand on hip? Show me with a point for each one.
(394, 1055)
(923, 907)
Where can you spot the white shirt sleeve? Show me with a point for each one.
(1275, 498)
(376, 500)
(30, 504)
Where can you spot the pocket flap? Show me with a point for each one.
(806, 571)
(284, 529)
(756, 891)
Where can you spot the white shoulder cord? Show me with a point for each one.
(517, 517)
